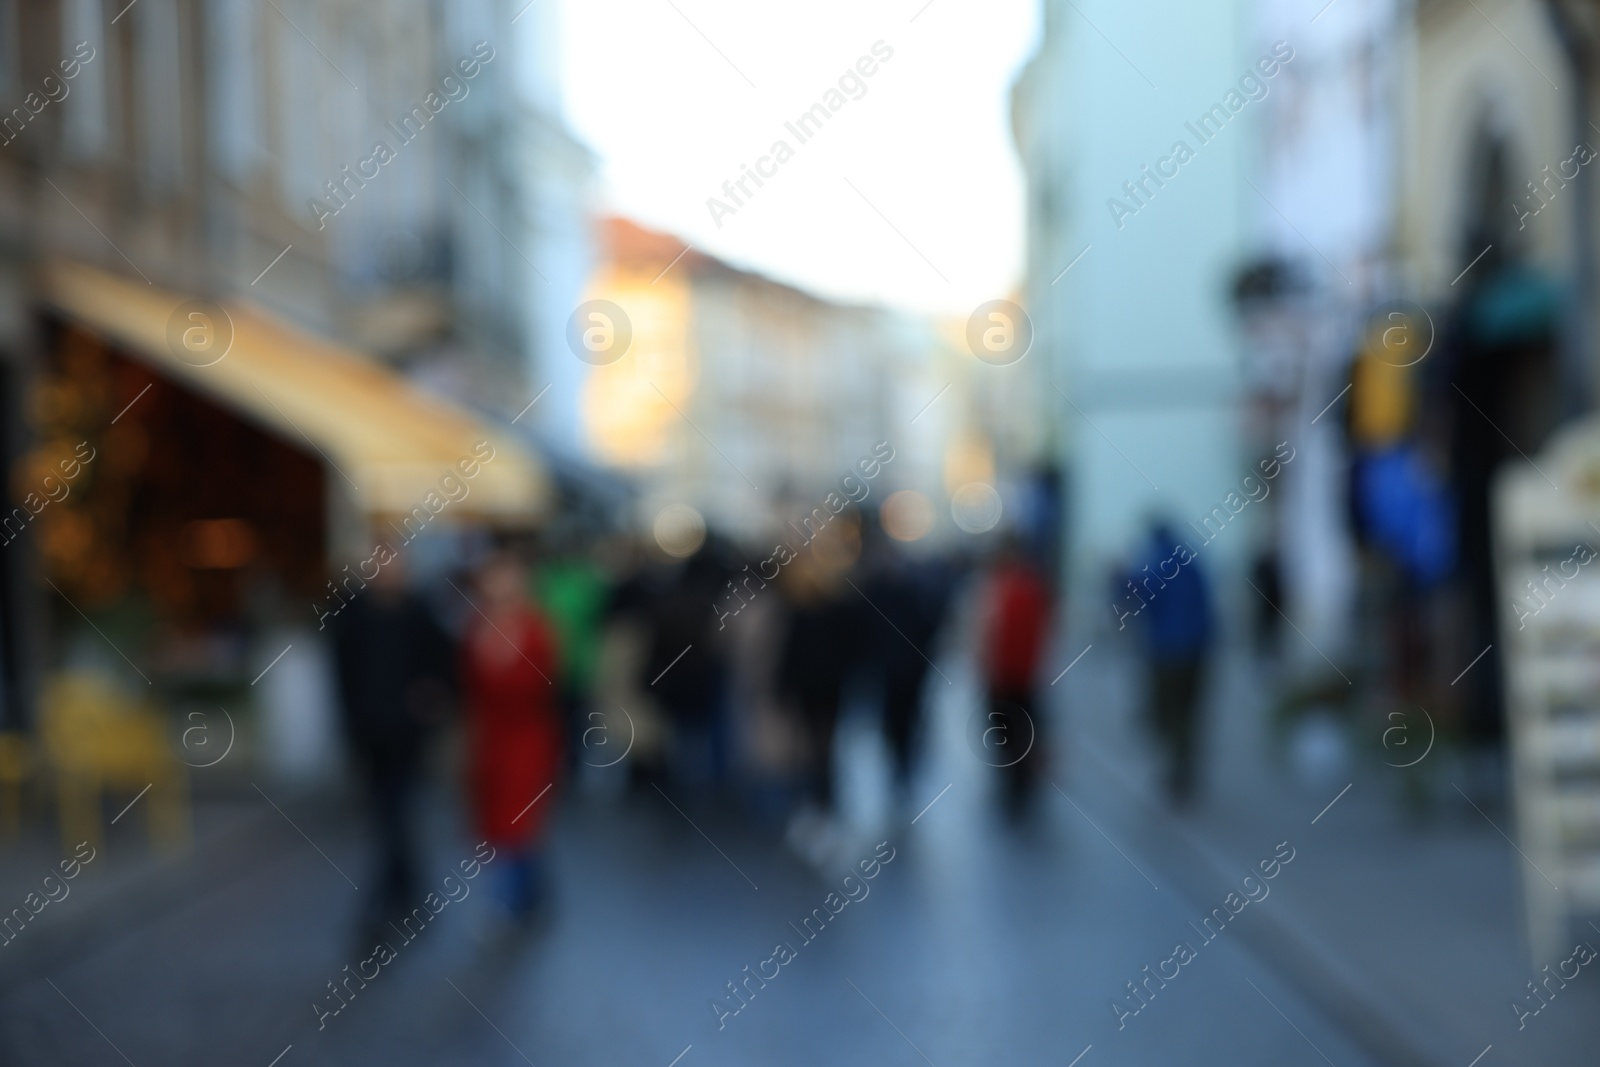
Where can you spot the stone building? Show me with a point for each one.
(271, 261)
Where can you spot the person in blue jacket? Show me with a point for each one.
(1176, 623)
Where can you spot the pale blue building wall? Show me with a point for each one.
(1139, 333)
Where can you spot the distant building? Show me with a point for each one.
(747, 398)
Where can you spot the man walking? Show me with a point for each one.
(396, 682)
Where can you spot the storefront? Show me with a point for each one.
(197, 474)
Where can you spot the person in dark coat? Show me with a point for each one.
(396, 679)
(685, 670)
(818, 650)
(899, 639)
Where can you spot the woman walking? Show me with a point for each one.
(513, 731)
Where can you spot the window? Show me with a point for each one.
(233, 49)
(158, 54)
(86, 121)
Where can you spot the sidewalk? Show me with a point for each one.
(128, 881)
(1408, 934)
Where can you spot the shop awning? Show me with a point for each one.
(388, 440)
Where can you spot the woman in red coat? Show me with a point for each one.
(1015, 632)
(513, 729)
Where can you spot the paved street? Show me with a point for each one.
(1381, 941)
(976, 943)
(969, 946)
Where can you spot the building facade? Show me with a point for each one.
(1137, 206)
(749, 399)
(337, 191)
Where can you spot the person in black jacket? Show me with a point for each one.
(906, 602)
(819, 648)
(396, 671)
(685, 670)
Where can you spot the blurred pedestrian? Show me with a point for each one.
(686, 670)
(396, 674)
(1176, 626)
(621, 678)
(572, 591)
(514, 735)
(818, 649)
(899, 640)
(1016, 624)
(1266, 574)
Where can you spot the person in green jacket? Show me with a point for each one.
(572, 591)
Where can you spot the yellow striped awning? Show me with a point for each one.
(389, 440)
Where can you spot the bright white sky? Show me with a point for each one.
(929, 145)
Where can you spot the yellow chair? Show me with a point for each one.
(101, 742)
(16, 760)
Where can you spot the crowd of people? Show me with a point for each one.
(608, 653)
(607, 658)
